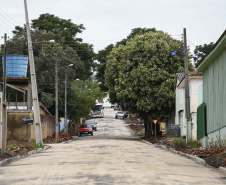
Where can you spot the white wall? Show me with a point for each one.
(180, 106)
(195, 100)
(194, 94)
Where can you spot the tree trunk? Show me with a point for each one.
(147, 127)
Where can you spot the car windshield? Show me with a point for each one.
(91, 122)
(85, 126)
(120, 112)
(96, 109)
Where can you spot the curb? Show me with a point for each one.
(18, 157)
(221, 170)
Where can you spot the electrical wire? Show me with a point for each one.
(10, 17)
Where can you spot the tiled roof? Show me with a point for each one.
(180, 76)
(194, 73)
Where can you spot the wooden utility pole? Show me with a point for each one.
(187, 96)
(65, 114)
(37, 119)
(56, 104)
(4, 83)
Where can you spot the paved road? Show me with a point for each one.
(111, 156)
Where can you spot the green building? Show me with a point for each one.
(212, 113)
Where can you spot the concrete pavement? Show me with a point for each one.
(112, 156)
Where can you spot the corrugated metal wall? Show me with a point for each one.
(214, 93)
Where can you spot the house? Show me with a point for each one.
(195, 92)
(212, 112)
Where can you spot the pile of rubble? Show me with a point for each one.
(215, 157)
(62, 137)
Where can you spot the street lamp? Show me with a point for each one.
(56, 94)
(65, 113)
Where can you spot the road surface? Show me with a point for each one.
(112, 156)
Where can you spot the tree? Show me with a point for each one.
(85, 95)
(141, 74)
(201, 50)
(102, 55)
(56, 25)
(68, 31)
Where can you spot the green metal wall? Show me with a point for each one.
(201, 121)
(214, 93)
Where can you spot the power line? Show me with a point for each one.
(10, 17)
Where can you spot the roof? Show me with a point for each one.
(23, 107)
(213, 53)
(179, 77)
(194, 74)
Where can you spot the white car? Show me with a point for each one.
(119, 115)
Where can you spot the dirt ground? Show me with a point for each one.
(215, 157)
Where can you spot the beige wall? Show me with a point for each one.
(17, 131)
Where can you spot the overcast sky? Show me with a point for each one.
(109, 21)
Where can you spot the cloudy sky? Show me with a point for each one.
(109, 21)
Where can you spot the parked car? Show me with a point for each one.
(119, 115)
(93, 123)
(86, 129)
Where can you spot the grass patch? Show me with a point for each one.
(32, 144)
(193, 144)
(179, 143)
(13, 146)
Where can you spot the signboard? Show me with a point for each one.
(155, 121)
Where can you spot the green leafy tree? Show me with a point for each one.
(86, 92)
(102, 55)
(141, 75)
(54, 24)
(48, 99)
(68, 31)
(201, 50)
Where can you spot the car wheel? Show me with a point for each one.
(91, 133)
(80, 135)
(95, 129)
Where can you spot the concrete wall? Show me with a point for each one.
(16, 131)
(217, 138)
(194, 126)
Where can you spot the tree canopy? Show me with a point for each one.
(201, 50)
(141, 75)
(68, 31)
(102, 54)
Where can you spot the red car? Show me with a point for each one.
(86, 129)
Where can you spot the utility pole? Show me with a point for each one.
(3, 107)
(4, 86)
(187, 96)
(65, 114)
(37, 119)
(56, 104)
